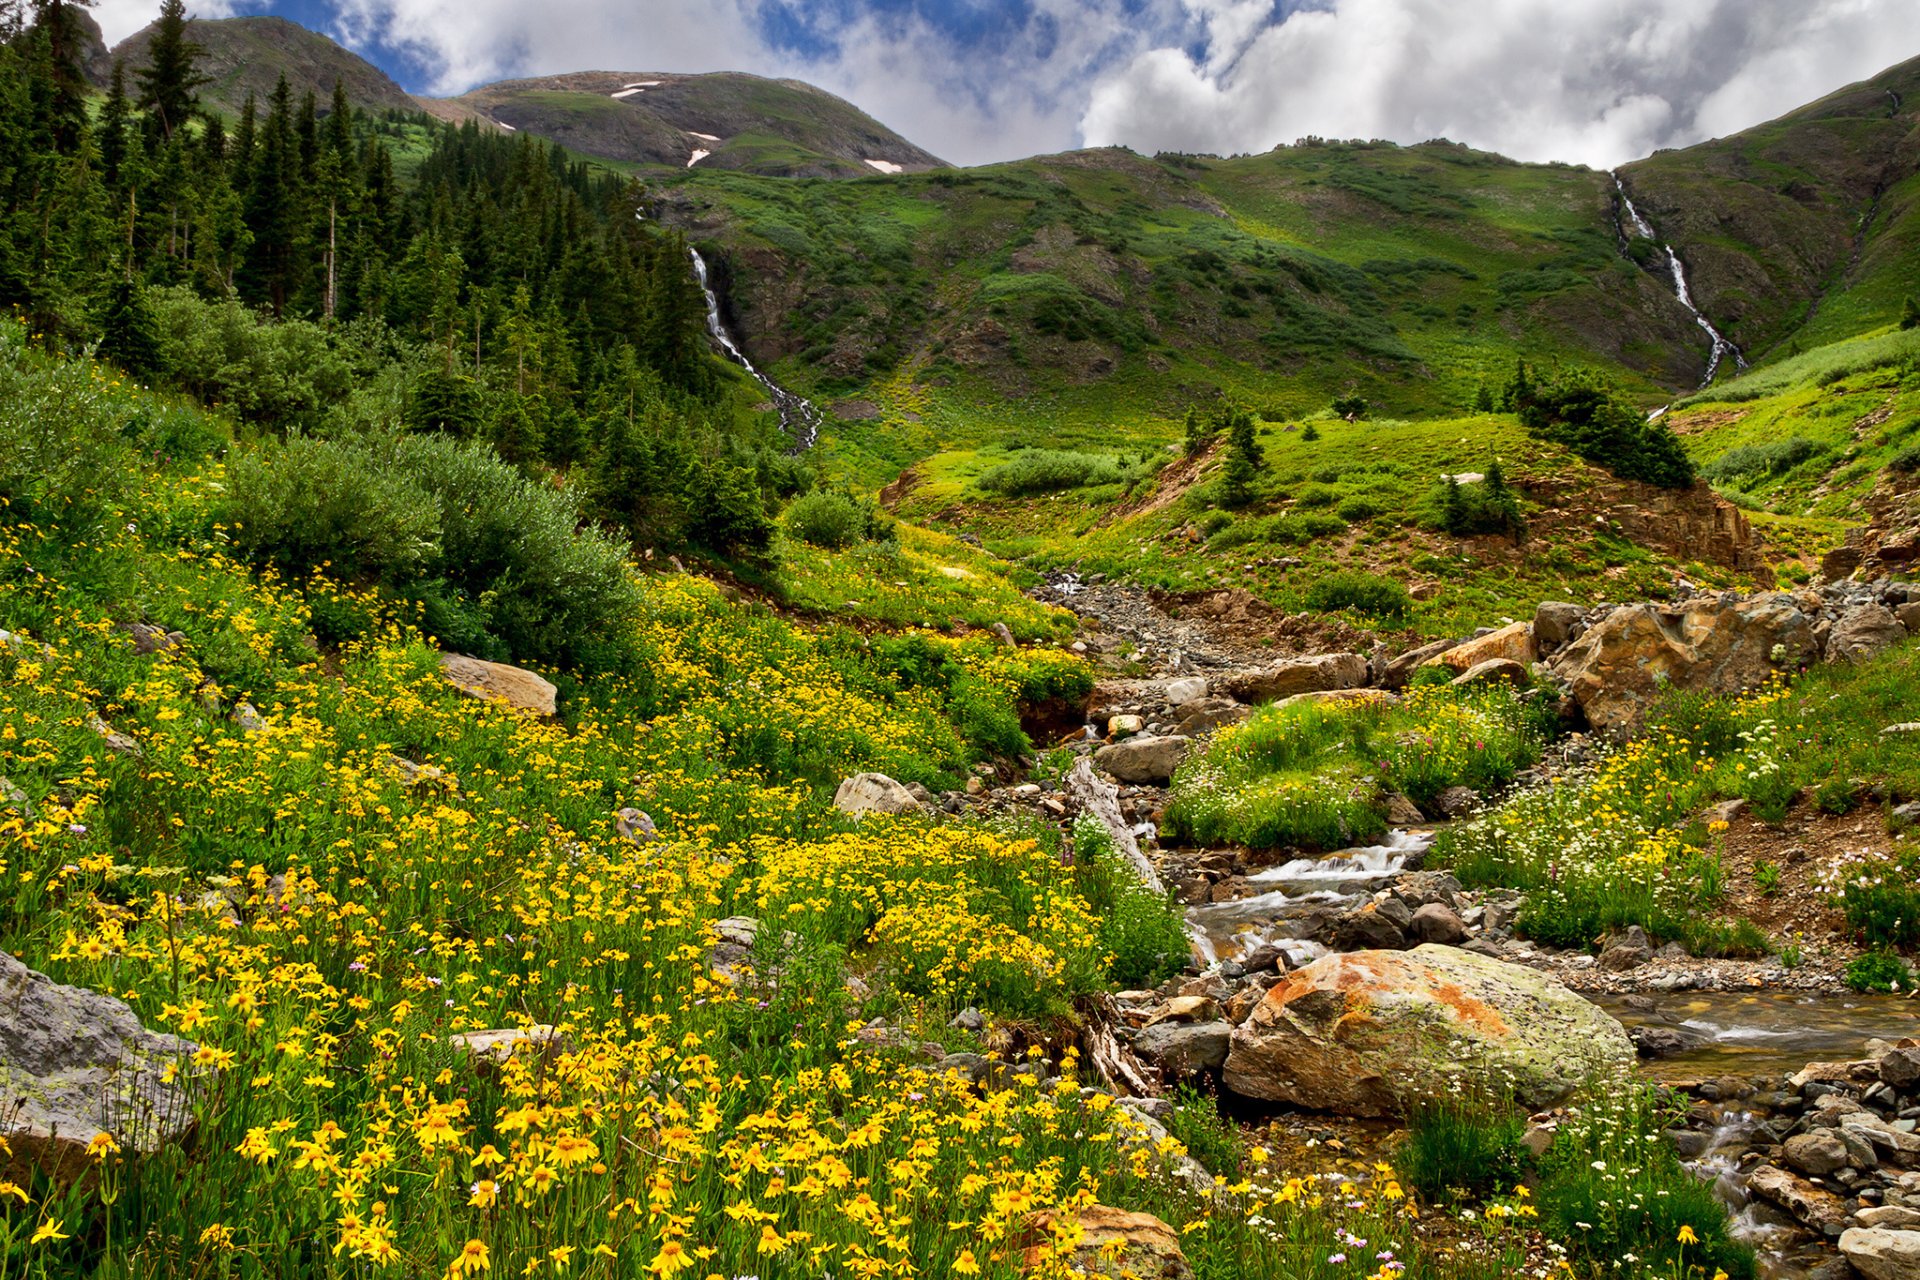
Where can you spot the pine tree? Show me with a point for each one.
(113, 128)
(1910, 314)
(170, 78)
(1483, 399)
(1309, 433)
(1243, 461)
(1453, 507)
(62, 35)
(273, 208)
(129, 336)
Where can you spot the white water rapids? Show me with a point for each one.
(1720, 347)
(799, 415)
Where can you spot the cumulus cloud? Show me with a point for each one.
(1535, 79)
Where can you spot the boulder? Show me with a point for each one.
(1203, 715)
(1514, 642)
(1909, 615)
(1662, 1042)
(1371, 927)
(118, 743)
(1880, 1254)
(635, 826)
(1184, 1048)
(866, 793)
(1627, 950)
(1397, 672)
(1342, 698)
(1810, 1205)
(1456, 802)
(1402, 812)
(494, 1048)
(1437, 923)
(1713, 644)
(1360, 1034)
(1862, 632)
(1900, 1067)
(1186, 689)
(518, 688)
(1125, 726)
(1816, 1153)
(1298, 675)
(75, 1063)
(248, 718)
(1492, 671)
(1554, 623)
(1144, 761)
(1004, 635)
(1109, 1244)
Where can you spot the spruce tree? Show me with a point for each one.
(113, 128)
(129, 336)
(1243, 461)
(61, 33)
(170, 78)
(1910, 314)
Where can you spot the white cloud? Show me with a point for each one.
(119, 19)
(1536, 79)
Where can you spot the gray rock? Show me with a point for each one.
(16, 799)
(969, 1020)
(1003, 635)
(1146, 760)
(1661, 1042)
(248, 718)
(1862, 632)
(1900, 1068)
(1554, 623)
(1909, 615)
(1368, 928)
(1186, 689)
(1402, 812)
(1817, 1153)
(75, 1063)
(1399, 671)
(118, 743)
(149, 639)
(1418, 888)
(1895, 1217)
(635, 826)
(1204, 714)
(1185, 1048)
(1456, 802)
(1881, 1254)
(1628, 950)
(866, 793)
(1492, 671)
(1436, 922)
(1299, 675)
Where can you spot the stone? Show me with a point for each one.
(1862, 632)
(248, 718)
(1003, 635)
(1368, 928)
(1709, 644)
(1898, 1217)
(497, 1047)
(1341, 698)
(15, 799)
(635, 826)
(1186, 689)
(1882, 1254)
(1125, 726)
(1360, 1034)
(1399, 671)
(1185, 1009)
(1661, 1042)
(118, 743)
(1111, 1244)
(1626, 950)
(1493, 671)
(1900, 1067)
(149, 639)
(1513, 642)
(866, 793)
(1147, 761)
(1816, 1153)
(518, 688)
(1203, 715)
(969, 1019)
(1455, 802)
(1185, 1049)
(1808, 1204)
(1909, 615)
(1554, 622)
(1331, 671)
(1402, 812)
(75, 1063)
(1437, 923)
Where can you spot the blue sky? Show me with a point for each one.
(1587, 81)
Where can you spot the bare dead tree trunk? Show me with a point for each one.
(1102, 800)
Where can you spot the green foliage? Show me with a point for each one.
(1459, 1147)
(1196, 1123)
(1879, 893)
(1910, 313)
(1578, 410)
(1880, 971)
(1144, 934)
(834, 520)
(1363, 592)
(1740, 465)
(1035, 471)
(1351, 407)
(1243, 461)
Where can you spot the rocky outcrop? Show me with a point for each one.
(518, 688)
(75, 1063)
(866, 793)
(1298, 675)
(1879, 1254)
(1710, 644)
(1361, 1034)
(1862, 632)
(1109, 1243)
(1514, 642)
(1144, 760)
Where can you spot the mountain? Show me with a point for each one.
(1806, 227)
(248, 55)
(723, 120)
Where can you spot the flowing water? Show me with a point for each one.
(1771, 1033)
(1294, 891)
(799, 415)
(1720, 347)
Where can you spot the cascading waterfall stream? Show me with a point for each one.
(798, 415)
(1720, 347)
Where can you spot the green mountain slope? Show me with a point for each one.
(1806, 227)
(730, 121)
(248, 55)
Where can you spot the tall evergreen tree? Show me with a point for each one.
(62, 31)
(169, 80)
(114, 117)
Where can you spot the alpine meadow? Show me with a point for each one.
(629, 674)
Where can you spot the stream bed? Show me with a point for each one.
(1764, 1033)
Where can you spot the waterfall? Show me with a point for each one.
(798, 415)
(1719, 346)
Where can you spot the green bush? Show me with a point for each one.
(1358, 510)
(1459, 1147)
(835, 520)
(1879, 893)
(1051, 470)
(1880, 971)
(1363, 592)
(1906, 461)
(1196, 1123)
(309, 504)
(1576, 409)
(1311, 496)
(1144, 934)
(1757, 460)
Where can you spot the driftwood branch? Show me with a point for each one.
(1100, 798)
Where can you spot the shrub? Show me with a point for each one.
(1460, 1147)
(1880, 971)
(1310, 496)
(1197, 1125)
(1050, 470)
(1144, 934)
(1363, 592)
(1879, 893)
(1357, 510)
(308, 503)
(1755, 460)
(1906, 461)
(1577, 410)
(835, 520)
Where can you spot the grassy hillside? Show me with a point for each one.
(1802, 230)
(248, 55)
(776, 128)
